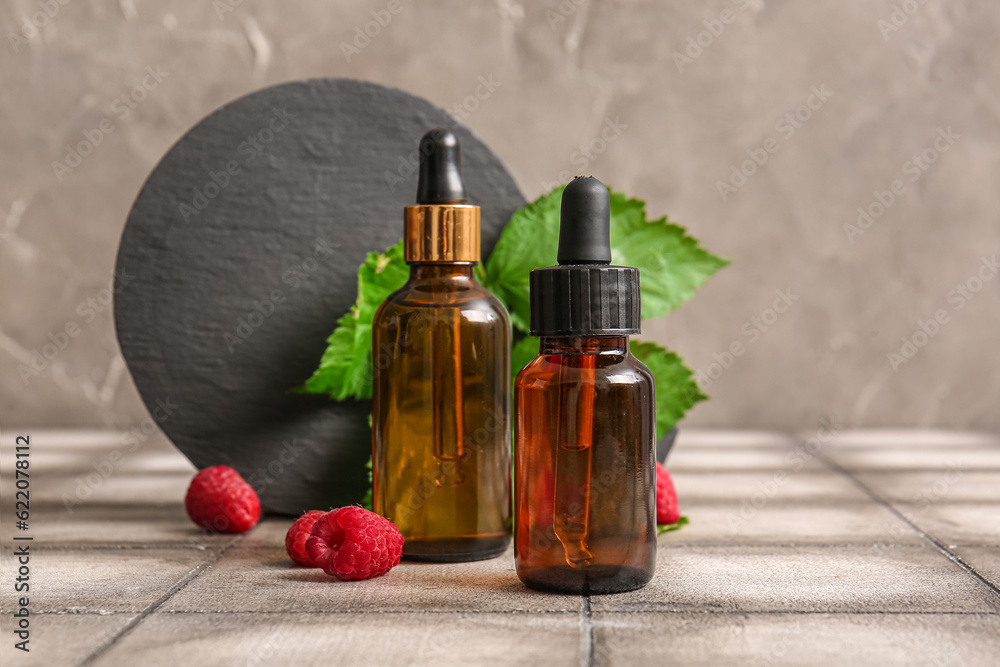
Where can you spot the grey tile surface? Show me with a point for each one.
(927, 487)
(68, 490)
(957, 523)
(814, 522)
(868, 459)
(802, 569)
(350, 639)
(102, 580)
(805, 579)
(712, 640)
(756, 485)
(106, 453)
(265, 579)
(739, 459)
(117, 524)
(694, 438)
(984, 560)
(268, 533)
(61, 639)
(910, 439)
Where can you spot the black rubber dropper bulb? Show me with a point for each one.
(585, 223)
(440, 178)
(584, 295)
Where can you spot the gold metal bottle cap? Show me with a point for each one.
(441, 233)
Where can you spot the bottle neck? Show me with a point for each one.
(584, 345)
(439, 271)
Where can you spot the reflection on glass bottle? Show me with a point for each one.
(441, 452)
(584, 426)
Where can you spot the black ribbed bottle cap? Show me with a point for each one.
(584, 295)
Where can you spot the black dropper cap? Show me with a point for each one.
(584, 295)
(440, 179)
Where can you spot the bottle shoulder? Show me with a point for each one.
(470, 299)
(641, 368)
(612, 369)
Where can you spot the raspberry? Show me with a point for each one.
(353, 543)
(295, 540)
(219, 500)
(667, 510)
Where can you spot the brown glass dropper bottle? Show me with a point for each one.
(584, 418)
(440, 396)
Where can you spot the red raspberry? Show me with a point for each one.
(353, 543)
(295, 540)
(667, 510)
(219, 500)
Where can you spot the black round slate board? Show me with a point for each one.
(297, 183)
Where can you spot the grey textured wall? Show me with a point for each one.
(903, 96)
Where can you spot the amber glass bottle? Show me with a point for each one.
(441, 354)
(585, 420)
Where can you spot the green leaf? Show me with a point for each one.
(676, 390)
(529, 241)
(671, 263)
(667, 527)
(345, 369)
(521, 354)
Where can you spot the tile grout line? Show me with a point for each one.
(528, 612)
(707, 544)
(937, 544)
(110, 546)
(586, 633)
(156, 604)
(791, 612)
